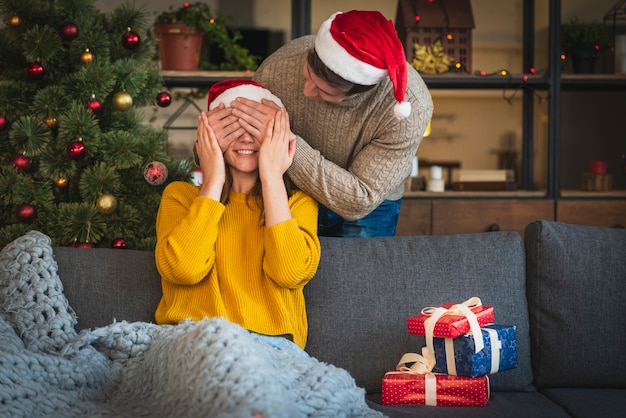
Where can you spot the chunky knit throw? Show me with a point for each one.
(209, 368)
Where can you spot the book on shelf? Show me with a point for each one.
(491, 186)
(486, 175)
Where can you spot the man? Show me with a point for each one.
(359, 113)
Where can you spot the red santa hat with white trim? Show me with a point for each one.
(228, 90)
(363, 47)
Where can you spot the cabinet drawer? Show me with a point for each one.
(609, 213)
(469, 216)
(414, 217)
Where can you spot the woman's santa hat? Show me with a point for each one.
(363, 47)
(228, 90)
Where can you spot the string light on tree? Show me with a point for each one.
(3, 123)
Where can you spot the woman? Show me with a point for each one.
(241, 245)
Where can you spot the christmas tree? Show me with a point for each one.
(78, 161)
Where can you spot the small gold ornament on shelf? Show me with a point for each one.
(431, 59)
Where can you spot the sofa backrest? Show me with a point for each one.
(577, 301)
(103, 285)
(365, 288)
(357, 303)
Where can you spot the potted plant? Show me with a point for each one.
(183, 32)
(582, 42)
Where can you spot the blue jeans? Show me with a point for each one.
(381, 222)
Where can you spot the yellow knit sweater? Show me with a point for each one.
(218, 260)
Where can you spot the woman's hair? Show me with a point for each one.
(322, 71)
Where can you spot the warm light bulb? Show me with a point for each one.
(449, 37)
(417, 18)
(503, 72)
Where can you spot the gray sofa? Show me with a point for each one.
(563, 287)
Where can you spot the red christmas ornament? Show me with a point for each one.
(77, 150)
(3, 123)
(68, 31)
(35, 71)
(119, 243)
(22, 163)
(95, 106)
(131, 40)
(164, 99)
(26, 213)
(155, 173)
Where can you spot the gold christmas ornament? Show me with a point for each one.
(61, 182)
(14, 21)
(431, 59)
(51, 122)
(122, 101)
(107, 203)
(86, 57)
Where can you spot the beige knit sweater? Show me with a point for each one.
(353, 155)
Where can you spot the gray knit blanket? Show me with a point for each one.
(209, 368)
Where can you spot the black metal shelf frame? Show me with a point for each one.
(553, 82)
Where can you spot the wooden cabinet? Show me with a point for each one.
(595, 212)
(459, 216)
(415, 217)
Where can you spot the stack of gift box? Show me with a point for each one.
(463, 347)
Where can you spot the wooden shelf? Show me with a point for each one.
(593, 82)
(199, 79)
(582, 194)
(518, 194)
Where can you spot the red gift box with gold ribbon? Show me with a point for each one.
(452, 320)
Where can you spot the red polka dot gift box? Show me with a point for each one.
(451, 320)
(401, 387)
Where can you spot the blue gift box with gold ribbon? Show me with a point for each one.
(459, 357)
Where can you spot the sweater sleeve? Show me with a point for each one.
(186, 229)
(292, 248)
